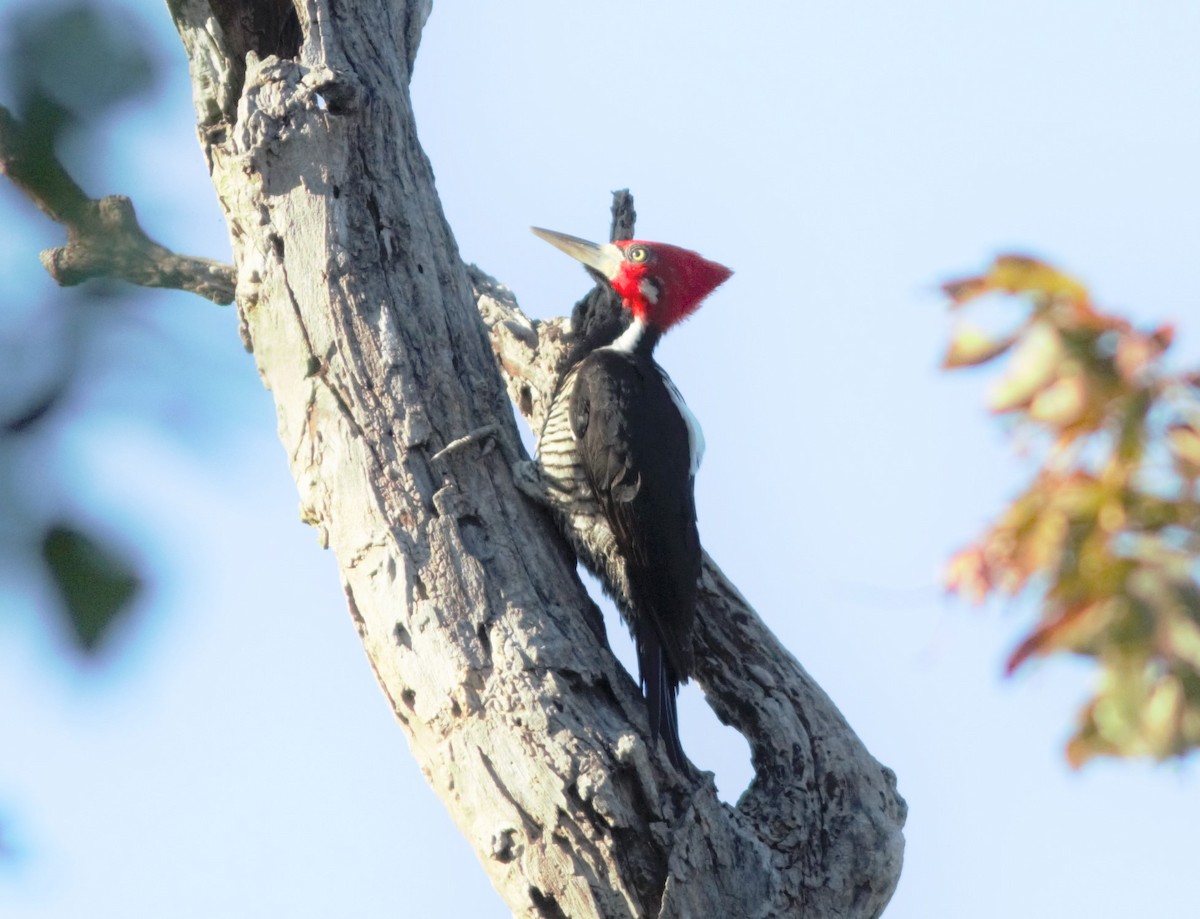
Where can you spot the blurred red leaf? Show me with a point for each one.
(1071, 625)
(1137, 352)
(967, 574)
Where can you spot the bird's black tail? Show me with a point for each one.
(662, 691)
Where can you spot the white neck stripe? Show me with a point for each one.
(628, 340)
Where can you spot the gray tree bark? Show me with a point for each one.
(380, 349)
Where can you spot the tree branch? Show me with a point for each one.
(366, 327)
(104, 239)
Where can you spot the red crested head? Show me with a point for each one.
(659, 283)
(663, 284)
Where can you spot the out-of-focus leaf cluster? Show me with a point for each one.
(68, 65)
(63, 67)
(1108, 531)
(94, 583)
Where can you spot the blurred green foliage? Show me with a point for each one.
(64, 68)
(94, 583)
(69, 65)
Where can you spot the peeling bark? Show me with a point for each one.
(366, 327)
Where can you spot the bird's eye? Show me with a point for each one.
(637, 254)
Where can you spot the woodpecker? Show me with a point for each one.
(618, 454)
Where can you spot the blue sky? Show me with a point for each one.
(232, 757)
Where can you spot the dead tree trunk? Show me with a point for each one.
(366, 327)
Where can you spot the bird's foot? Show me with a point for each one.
(527, 476)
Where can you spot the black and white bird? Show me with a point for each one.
(618, 454)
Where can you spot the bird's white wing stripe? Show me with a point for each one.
(695, 433)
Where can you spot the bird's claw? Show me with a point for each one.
(527, 476)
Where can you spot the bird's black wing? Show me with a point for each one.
(634, 448)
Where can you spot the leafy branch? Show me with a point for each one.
(1108, 531)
